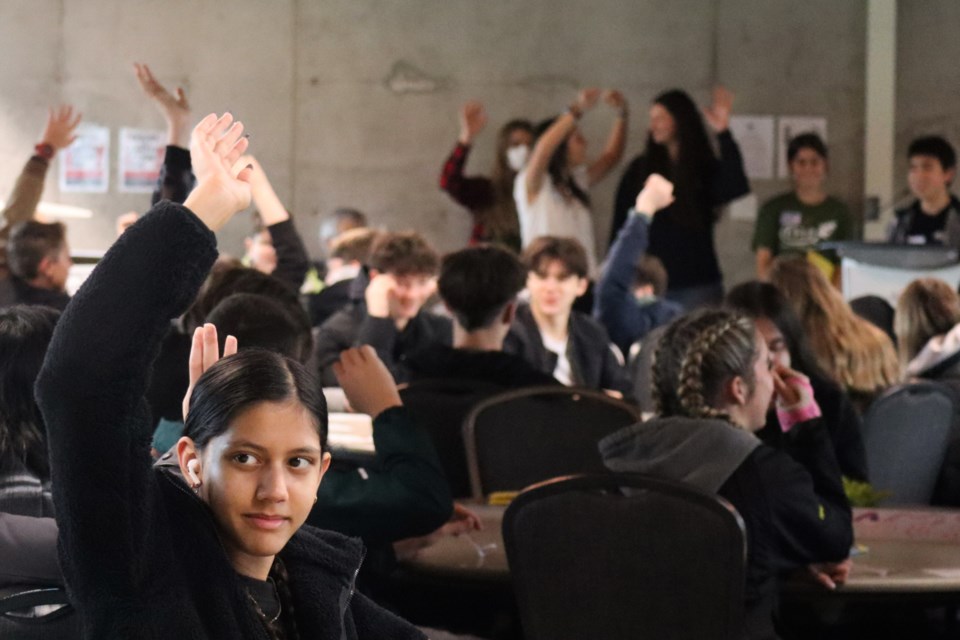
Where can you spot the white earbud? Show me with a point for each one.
(193, 472)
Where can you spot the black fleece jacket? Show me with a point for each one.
(139, 552)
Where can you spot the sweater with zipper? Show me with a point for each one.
(139, 551)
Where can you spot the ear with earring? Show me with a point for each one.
(193, 473)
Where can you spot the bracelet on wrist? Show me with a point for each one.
(45, 150)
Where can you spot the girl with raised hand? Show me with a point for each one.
(552, 190)
(489, 199)
(679, 149)
(713, 381)
(220, 552)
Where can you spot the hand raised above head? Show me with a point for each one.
(615, 99)
(204, 353)
(656, 194)
(61, 124)
(718, 113)
(365, 380)
(215, 146)
(473, 118)
(587, 98)
(174, 107)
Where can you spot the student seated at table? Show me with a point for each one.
(714, 380)
(349, 254)
(927, 324)
(629, 300)
(387, 313)
(790, 349)
(221, 552)
(28, 533)
(569, 345)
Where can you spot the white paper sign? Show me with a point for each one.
(85, 164)
(755, 136)
(141, 154)
(790, 127)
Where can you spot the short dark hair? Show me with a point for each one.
(806, 141)
(262, 322)
(477, 283)
(230, 281)
(25, 333)
(30, 242)
(403, 253)
(935, 147)
(568, 251)
(650, 271)
(238, 382)
(349, 218)
(353, 244)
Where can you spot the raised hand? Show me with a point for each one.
(215, 147)
(174, 107)
(615, 99)
(657, 193)
(365, 380)
(587, 98)
(60, 127)
(717, 114)
(473, 118)
(204, 353)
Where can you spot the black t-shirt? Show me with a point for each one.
(930, 228)
(264, 593)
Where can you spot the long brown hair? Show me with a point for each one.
(849, 349)
(928, 307)
(500, 218)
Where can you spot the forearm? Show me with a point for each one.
(92, 384)
(292, 260)
(176, 176)
(764, 260)
(543, 150)
(729, 181)
(23, 201)
(404, 495)
(612, 150)
(615, 307)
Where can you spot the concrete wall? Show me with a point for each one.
(354, 102)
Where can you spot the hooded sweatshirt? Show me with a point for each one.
(793, 505)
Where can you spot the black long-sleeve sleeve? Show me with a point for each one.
(176, 179)
(91, 393)
(292, 260)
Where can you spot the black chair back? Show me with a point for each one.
(520, 437)
(905, 433)
(37, 613)
(626, 556)
(440, 407)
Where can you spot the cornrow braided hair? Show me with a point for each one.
(690, 383)
(694, 358)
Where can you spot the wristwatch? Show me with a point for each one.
(45, 150)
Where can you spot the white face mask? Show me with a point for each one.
(517, 156)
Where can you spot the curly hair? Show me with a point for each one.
(696, 356)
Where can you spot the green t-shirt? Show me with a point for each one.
(786, 225)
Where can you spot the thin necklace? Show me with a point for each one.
(256, 605)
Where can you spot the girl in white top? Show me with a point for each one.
(551, 192)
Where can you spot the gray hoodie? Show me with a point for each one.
(698, 451)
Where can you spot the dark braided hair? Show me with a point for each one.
(696, 356)
(288, 617)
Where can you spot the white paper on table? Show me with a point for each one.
(141, 155)
(85, 164)
(950, 574)
(755, 137)
(788, 127)
(353, 431)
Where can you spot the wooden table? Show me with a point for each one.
(900, 551)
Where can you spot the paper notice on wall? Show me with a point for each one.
(755, 136)
(85, 164)
(141, 154)
(788, 127)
